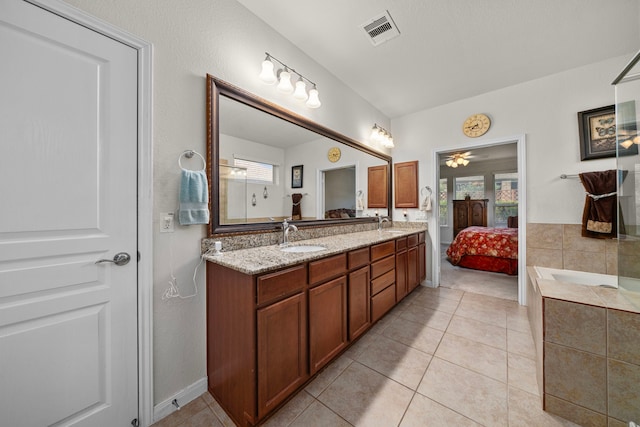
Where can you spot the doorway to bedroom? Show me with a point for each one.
(481, 186)
(339, 192)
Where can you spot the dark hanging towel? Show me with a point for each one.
(296, 212)
(599, 217)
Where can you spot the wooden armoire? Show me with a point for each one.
(469, 212)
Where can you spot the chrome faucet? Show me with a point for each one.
(286, 228)
(380, 221)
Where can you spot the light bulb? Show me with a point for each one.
(285, 82)
(267, 75)
(454, 165)
(459, 160)
(465, 162)
(374, 133)
(301, 90)
(314, 100)
(636, 140)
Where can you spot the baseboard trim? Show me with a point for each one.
(183, 397)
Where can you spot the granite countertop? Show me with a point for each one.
(618, 299)
(262, 259)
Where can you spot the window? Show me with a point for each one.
(472, 186)
(442, 202)
(506, 190)
(257, 172)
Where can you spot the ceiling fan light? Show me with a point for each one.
(449, 163)
(454, 165)
(465, 162)
(267, 75)
(459, 160)
(636, 140)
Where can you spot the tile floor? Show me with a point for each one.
(441, 357)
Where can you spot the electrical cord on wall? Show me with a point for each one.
(173, 291)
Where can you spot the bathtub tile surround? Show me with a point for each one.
(587, 351)
(562, 246)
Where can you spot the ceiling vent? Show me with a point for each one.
(380, 28)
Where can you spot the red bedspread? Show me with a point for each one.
(486, 242)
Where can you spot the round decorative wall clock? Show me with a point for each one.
(334, 154)
(476, 125)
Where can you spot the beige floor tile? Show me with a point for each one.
(525, 409)
(480, 358)
(318, 415)
(206, 417)
(494, 315)
(328, 375)
(436, 302)
(415, 335)
(396, 361)
(478, 331)
(217, 409)
(364, 397)
(522, 373)
(424, 412)
(426, 316)
(517, 318)
(521, 343)
(445, 292)
(292, 410)
(478, 397)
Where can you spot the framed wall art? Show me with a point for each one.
(296, 176)
(597, 131)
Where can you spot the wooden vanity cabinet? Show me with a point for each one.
(327, 310)
(359, 296)
(268, 334)
(401, 269)
(383, 290)
(405, 178)
(377, 190)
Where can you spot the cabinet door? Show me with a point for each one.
(282, 351)
(401, 275)
(478, 215)
(377, 182)
(327, 322)
(422, 261)
(405, 177)
(359, 303)
(412, 268)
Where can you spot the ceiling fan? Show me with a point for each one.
(458, 159)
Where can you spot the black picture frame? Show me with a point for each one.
(296, 176)
(597, 130)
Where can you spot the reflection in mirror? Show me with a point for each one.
(255, 152)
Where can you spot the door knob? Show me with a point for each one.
(121, 258)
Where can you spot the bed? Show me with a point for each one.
(486, 248)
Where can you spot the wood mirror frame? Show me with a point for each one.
(217, 88)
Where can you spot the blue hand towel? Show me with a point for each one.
(194, 198)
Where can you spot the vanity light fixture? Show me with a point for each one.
(629, 142)
(269, 76)
(381, 135)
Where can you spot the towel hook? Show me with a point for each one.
(189, 155)
(426, 188)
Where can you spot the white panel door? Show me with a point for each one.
(68, 144)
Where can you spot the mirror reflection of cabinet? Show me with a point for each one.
(377, 182)
(405, 176)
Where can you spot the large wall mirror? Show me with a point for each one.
(266, 163)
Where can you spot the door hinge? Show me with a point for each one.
(135, 423)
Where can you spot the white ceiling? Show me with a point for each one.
(451, 49)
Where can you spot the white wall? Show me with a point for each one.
(193, 38)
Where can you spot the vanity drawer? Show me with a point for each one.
(383, 281)
(327, 268)
(273, 286)
(412, 240)
(401, 243)
(381, 250)
(380, 267)
(358, 258)
(382, 302)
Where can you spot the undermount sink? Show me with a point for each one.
(303, 248)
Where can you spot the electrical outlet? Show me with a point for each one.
(166, 222)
